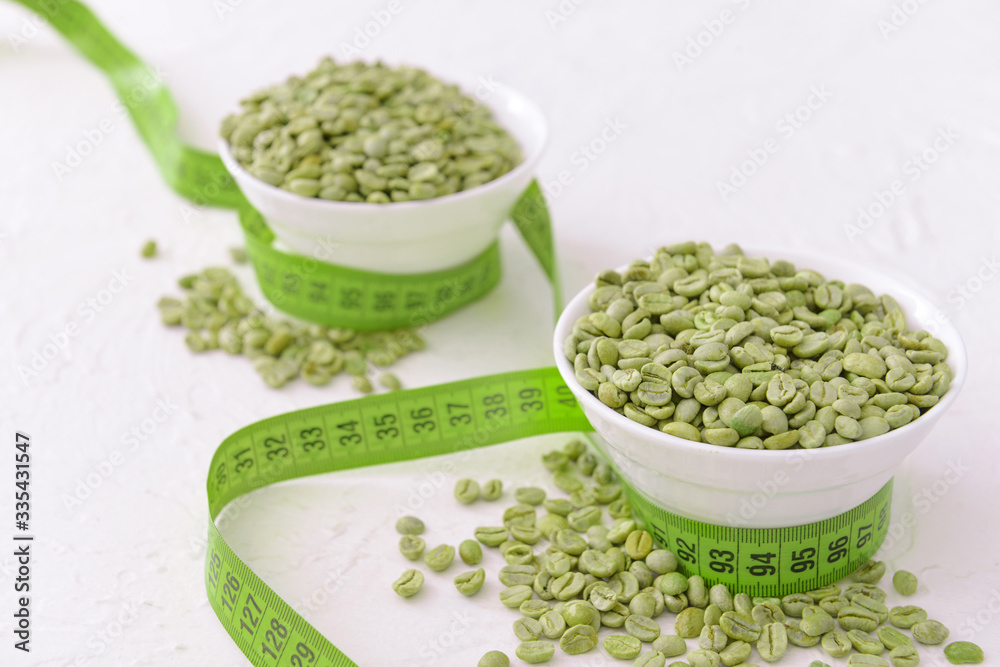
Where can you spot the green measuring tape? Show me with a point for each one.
(463, 415)
(415, 423)
(770, 562)
(370, 301)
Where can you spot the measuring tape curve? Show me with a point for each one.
(468, 414)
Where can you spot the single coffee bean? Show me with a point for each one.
(409, 584)
(964, 653)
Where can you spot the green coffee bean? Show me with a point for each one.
(930, 632)
(874, 592)
(412, 546)
(643, 604)
(567, 586)
(659, 604)
(712, 638)
(625, 585)
(553, 624)
(581, 499)
(409, 525)
(832, 605)
(491, 536)
(602, 597)
(470, 552)
(865, 642)
(582, 519)
(735, 654)
(519, 554)
(529, 495)
(409, 584)
(816, 622)
(964, 653)
(469, 583)
(514, 596)
(622, 647)
(703, 658)
(697, 592)
(904, 656)
(773, 642)
(534, 608)
(891, 637)
(578, 639)
(796, 636)
(194, 342)
(643, 575)
(871, 572)
(555, 460)
(904, 582)
(615, 617)
(361, 384)
(148, 250)
(525, 534)
(569, 542)
(639, 544)
(466, 491)
(494, 659)
(535, 652)
(857, 618)
(740, 626)
(508, 544)
(874, 606)
(567, 481)
(837, 644)
(527, 629)
(689, 622)
(558, 506)
(794, 604)
(491, 490)
(559, 563)
(517, 575)
(720, 596)
(607, 493)
(620, 531)
(906, 616)
(581, 612)
(670, 645)
(643, 628)
(676, 603)
(650, 659)
(673, 583)
(767, 612)
(440, 557)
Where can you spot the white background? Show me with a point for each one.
(118, 571)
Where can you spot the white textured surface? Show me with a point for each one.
(134, 543)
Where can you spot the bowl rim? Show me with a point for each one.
(528, 164)
(957, 358)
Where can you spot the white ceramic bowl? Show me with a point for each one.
(404, 237)
(765, 489)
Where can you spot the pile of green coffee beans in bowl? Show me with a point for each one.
(360, 132)
(746, 352)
